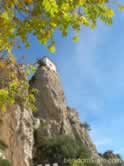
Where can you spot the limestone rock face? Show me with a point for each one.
(79, 131)
(16, 131)
(50, 99)
(16, 123)
(56, 118)
(23, 132)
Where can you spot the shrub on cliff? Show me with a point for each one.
(14, 80)
(86, 126)
(3, 161)
(62, 147)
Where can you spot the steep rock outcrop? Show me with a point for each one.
(53, 118)
(56, 118)
(50, 99)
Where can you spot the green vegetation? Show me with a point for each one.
(42, 17)
(59, 148)
(86, 126)
(12, 83)
(3, 161)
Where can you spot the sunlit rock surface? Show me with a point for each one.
(56, 118)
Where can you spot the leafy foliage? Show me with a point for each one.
(42, 17)
(12, 83)
(3, 161)
(60, 148)
(86, 126)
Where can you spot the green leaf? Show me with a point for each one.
(76, 38)
(52, 47)
(121, 7)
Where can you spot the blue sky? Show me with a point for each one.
(92, 75)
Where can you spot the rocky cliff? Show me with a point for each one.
(16, 123)
(55, 117)
(23, 133)
(16, 131)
